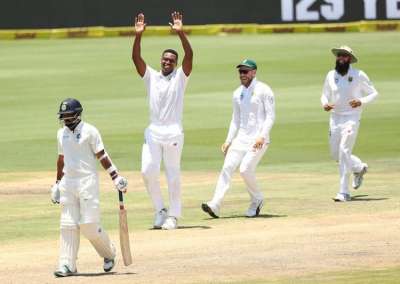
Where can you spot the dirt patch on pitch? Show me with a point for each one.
(247, 249)
(226, 249)
(41, 182)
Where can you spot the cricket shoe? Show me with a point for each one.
(342, 197)
(255, 208)
(212, 211)
(358, 177)
(108, 264)
(160, 218)
(64, 271)
(171, 223)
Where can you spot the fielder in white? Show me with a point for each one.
(248, 138)
(346, 90)
(164, 135)
(77, 188)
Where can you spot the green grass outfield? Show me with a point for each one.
(389, 276)
(35, 75)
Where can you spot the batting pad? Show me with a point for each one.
(99, 239)
(69, 246)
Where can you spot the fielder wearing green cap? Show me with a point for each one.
(345, 92)
(248, 138)
(248, 63)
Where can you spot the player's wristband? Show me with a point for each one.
(112, 169)
(105, 155)
(114, 176)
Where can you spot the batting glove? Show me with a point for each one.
(55, 193)
(121, 183)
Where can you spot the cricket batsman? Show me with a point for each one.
(248, 138)
(77, 188)
(163, 138)
(346, 90)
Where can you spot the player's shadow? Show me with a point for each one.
(187, 227)
(194, 227)
(245, 217)
(102, 274)
(365, 197)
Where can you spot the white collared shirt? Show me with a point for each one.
(253, 113)
(79, 148)
(340, 90)
(165, 96)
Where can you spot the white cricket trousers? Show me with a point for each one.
(170, 152)
(80, 213)
(247, 161)
(343, 130)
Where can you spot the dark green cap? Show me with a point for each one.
(248, 63)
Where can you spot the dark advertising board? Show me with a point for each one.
(16, 14)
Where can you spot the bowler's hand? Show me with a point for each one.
(355, 103)
(328, 107)
(225, 147)
(140, 25)
(176, 24)
(260, 141)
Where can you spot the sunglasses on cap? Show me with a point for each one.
(243, 71)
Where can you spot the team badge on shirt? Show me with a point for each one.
(78, 136)
(336, 80)
(350, 79)
(270, 99)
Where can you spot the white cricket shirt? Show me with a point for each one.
(340, 90)
(165, 97)
(253, 113)
(79, 148)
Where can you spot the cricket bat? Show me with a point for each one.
(124, 232)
